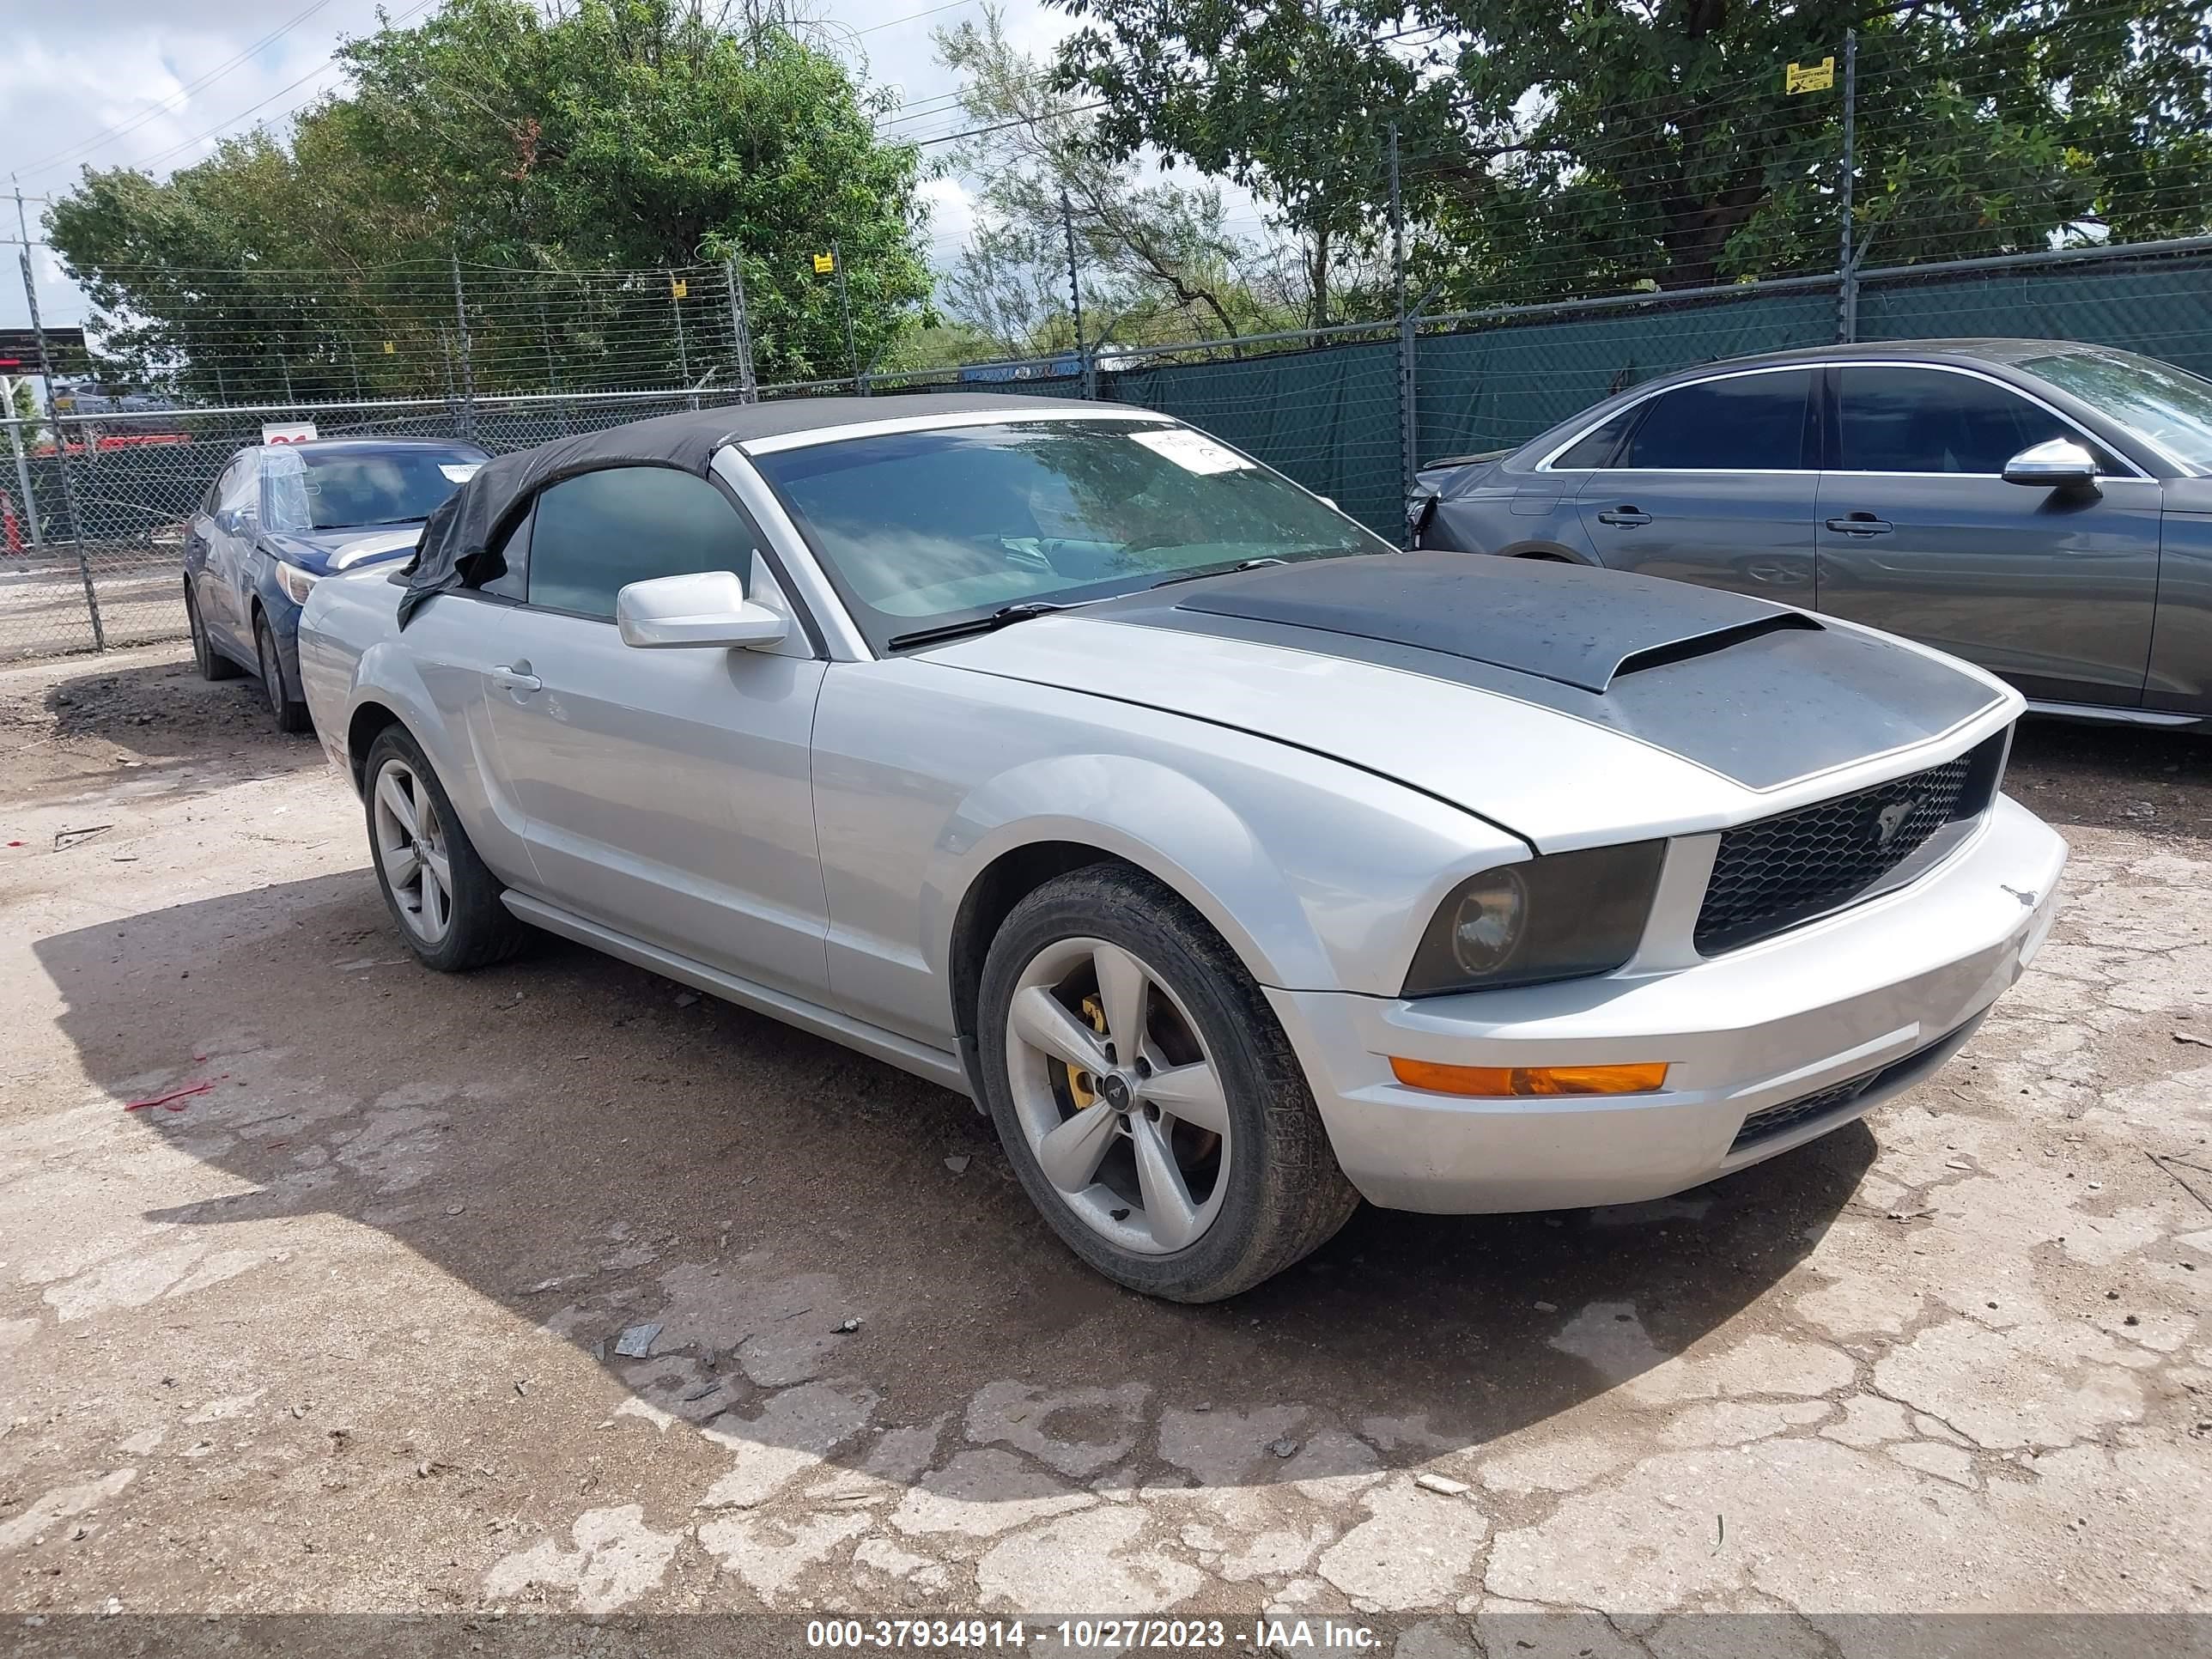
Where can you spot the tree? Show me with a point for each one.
(1291, 99)
(1157, 259)
(1551, 148)
(575, 161)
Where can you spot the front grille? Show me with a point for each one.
(1773, 1120)
(1771, 875)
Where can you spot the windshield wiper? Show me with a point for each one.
(1206, 570)
(997, 619)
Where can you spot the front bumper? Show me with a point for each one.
(1880, 994)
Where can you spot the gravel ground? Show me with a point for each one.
(338, 1332)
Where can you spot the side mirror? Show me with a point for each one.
(2056, 463)
(708, 608)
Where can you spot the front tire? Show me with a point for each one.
(1146, 1095)
(444, 898)
(291, 713)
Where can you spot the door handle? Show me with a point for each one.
(1626, 516)
(1860, 524)
(515, 677)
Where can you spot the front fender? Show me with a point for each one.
(1316, 875)
(1150, 815)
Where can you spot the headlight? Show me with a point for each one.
(295, 581)
(1565, 916)
(1485, 925)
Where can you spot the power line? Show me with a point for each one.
(159, 157)
(175, 100)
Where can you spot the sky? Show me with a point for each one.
(153, 83)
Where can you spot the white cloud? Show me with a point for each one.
(78, 71)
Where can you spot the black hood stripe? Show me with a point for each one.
(1766, 708)
(1565, 623)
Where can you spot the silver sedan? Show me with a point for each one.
(1237, 865)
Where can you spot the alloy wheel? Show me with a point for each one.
(411, 848)
(1118, 1096)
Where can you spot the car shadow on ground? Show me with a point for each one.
(160, 712)
(578, 1142)
(2156, 783)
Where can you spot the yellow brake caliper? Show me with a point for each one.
(1082, 1093)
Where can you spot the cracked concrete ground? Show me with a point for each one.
(339, 1332)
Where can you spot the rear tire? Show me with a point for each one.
(1207, 1169)
(211, 663)
(445, 900)
(291, 713)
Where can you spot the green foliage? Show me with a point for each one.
(1158, 262)
(1290, 99)
(1559, 146)
(609, 136)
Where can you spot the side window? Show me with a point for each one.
(1595, 447)
(1745, 422)
(512, 581)
(1924, 420)
(592, 535)
(241, 487)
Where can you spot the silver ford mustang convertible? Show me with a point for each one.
(1238, 864)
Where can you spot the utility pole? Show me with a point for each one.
(1847, 292)
(845, 304)
(1408, 408)
(54, 423)
(741, 330)
(468, 369)
(1075, 294)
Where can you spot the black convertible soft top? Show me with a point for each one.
(475, 517)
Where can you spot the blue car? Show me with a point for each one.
(280, 517)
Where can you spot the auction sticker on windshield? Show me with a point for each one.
(1194, 452)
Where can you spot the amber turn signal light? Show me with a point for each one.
(1499, 1082)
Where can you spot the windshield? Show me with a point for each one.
(2169, 406)
(313, 489)
(918, 530)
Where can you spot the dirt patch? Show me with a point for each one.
(545, 1289)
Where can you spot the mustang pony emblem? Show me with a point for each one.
(1890, 819)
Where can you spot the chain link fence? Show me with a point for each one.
(92, 525)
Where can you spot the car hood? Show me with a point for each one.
(322, 552)
(1572, 706)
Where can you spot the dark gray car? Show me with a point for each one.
(2041, 508)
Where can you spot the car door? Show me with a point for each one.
(225, 606)
(666, 793)
(2054, 589)
(1715, 484)
(199, 536)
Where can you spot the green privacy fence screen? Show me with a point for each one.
(101, 564)
(1330, 416)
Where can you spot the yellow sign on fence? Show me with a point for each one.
(1810, 77)
(824, 264)
(677, 288)
(390, 350)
